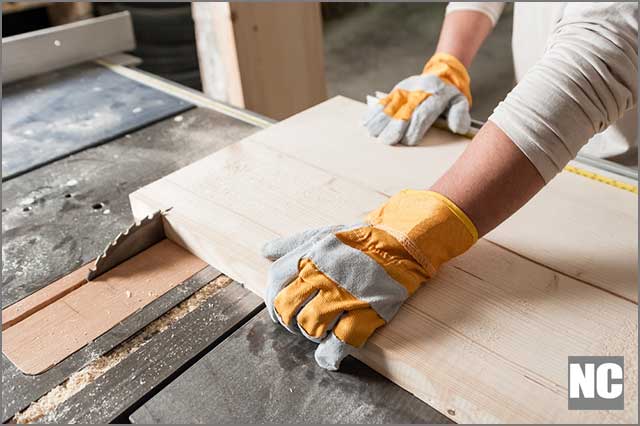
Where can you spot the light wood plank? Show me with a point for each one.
(57, 330)
(267, 58)
(217, 52)
(486, 340)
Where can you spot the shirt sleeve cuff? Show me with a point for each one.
(522, 139)
(492, 10)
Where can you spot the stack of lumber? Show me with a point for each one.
(487, 340)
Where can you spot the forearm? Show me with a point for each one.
(586, 80)
(462, 34)
(491, 180)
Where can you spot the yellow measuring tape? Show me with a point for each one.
(603, 179)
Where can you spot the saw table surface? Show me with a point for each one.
(50, 116)
(215, 356)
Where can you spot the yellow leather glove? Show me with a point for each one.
(414, 104)
(337, 285)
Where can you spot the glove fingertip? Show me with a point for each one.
(410, 140)
(458, 117)
(377, 123)
(331, 351)
(394, 132)
(460, 125)
(270, 250)
(372, 101)
(460, 128)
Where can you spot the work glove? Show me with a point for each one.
(414, 104)
(336, 285)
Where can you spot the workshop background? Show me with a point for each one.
(359, 58)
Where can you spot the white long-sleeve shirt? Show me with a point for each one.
(577, 70)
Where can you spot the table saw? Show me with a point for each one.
(60, 214)
(204, 351)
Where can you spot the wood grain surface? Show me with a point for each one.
(486, 340)
(268, 58)
(15, 313)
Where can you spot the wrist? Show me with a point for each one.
(430, 227)
(450, 70)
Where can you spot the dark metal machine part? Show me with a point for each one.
(50, 116)
(59, 216)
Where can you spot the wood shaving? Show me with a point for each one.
(48, 403)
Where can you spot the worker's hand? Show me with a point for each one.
(337, 285)
(414, 104)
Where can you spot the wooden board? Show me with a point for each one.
(37, 52)
(488, 338)
(273, 369)
(58, 329)
(267, 58)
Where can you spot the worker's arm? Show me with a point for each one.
(491, 180)
(443, 88)
(585, 81)
(337, 285)
(465, 28)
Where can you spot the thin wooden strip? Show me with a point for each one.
(186, 93)
(61, 328)
(15, 313)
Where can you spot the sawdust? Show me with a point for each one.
(48, 403)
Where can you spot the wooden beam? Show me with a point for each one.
(41, 51)
(487, 339)
(267, 58)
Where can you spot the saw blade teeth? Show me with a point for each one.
(121, 236)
